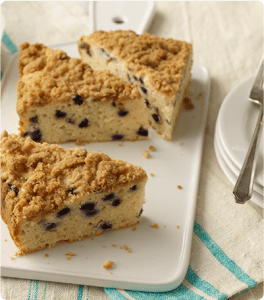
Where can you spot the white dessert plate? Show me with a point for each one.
(236, 123)
(257, 198)
(159, 256)
(234, 169)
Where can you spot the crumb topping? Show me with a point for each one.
(70, 254)
(154, 226)
(36, 178)
(187, 103)
(108, 264)
(162, 60)
(127, 249)
(146, 154)
(49, 76)
(152, 148)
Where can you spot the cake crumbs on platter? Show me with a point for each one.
(12, 258)
(46, 255)
(120, 145)
(127, 249)
(114, 245)
(120, 247)
(154, 226)
(178, 226)
(187, 103)
(152, 174)
(146, 154)
(104, 247)
(70, 254)
(134, 229)
(108, 264)
(199, 96)
(179, 187)
(152, 148)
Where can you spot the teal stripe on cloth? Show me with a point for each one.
(114, 294)
(45, 290)
(8, 43)
(80, 292)
(29, 292)
(203, 285)
(87, 293)
(36, 289)
(220, 255)
(180, 293)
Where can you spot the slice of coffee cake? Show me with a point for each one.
(160, 67)
(51, 195)
(62, 99)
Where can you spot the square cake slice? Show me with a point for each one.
(52, 195)
(62, 99)
(160, 67)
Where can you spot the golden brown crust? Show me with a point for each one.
(162, 60)
(50, 76)
(36, 178)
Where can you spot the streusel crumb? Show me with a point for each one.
(70, 254)
(187, 103)
(146, 154)
(154, 226)
(108, 264)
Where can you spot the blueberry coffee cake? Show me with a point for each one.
(62, 99)
(161, 68)
(52, 195)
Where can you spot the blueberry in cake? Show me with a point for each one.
(161, 68)
(52, 195)
(62, 99)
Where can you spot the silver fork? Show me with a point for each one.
(244, 186)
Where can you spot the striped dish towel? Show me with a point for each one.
(227, 246)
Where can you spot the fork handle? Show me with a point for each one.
(244, 186)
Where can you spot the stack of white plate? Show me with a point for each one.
(235, 126)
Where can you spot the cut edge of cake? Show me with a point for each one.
(65, 96)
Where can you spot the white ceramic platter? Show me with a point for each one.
(159, 257)
(236, 120)
(232, 174)
(124, 15)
